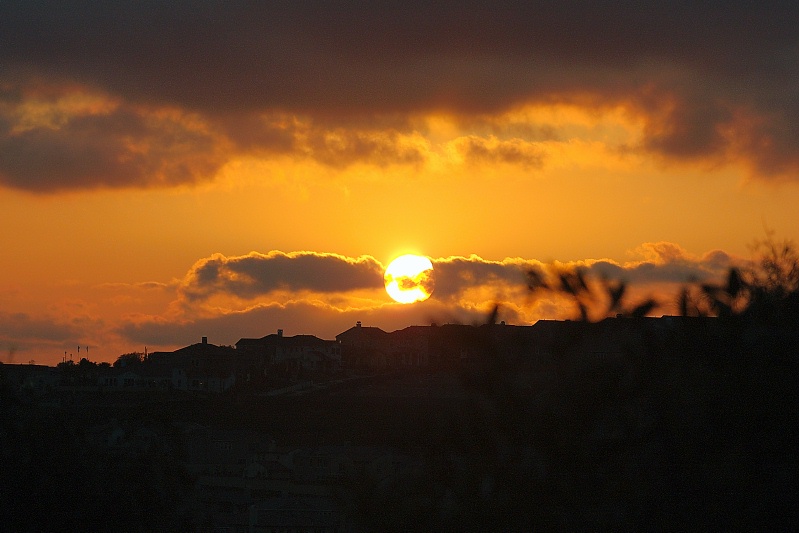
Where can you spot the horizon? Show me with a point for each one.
(279, 332)
(69, 357)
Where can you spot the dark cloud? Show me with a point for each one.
(22, 327)
(713, 81)
(117, 148)
(648, 272)
(454, 275)
(666, 262)
(493, 150)
(366, 55)
(340, 148)
(257, 274)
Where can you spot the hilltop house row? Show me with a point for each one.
(275, 360)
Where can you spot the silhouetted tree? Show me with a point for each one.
(126, 359)
(767, 293)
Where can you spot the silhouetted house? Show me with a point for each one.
(299, 352)
(701, 335)
(446, 345)
(623, 335)
(28, 379)
(364, 347)
(136, 377)
(410, 346)
(109, 378)
(453, 344)
(203, 380)
(199, 367)
(550, 338)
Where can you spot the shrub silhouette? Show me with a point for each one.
(689, 426)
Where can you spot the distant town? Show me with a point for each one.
(278, 364)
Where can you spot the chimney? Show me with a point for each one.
(358, 324)
(205, 340)
(280, 333)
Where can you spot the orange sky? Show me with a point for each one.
(218, 171)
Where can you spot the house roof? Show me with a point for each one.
(362, 332)
(274, 339)
(203, 348)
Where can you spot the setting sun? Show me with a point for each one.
(409, 278)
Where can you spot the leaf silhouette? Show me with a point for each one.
(644, 308)
(734, 283)
(682, 302)
(492, 316)
(535, 280)
(616, 293)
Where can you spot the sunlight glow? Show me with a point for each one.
(409, 278)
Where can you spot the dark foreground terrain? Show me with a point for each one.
(691, 435)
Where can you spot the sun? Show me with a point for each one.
(409, 278)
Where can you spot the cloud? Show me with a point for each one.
(285, 55)
(492, 150)
(665, 262)
(709, 83)
(24, 326)
(22, 334)
(662, 252)
(337, 279)
(69, 137)
(145, 285)
(455, 275)
(341, 147)
(256, 274)
(50, 145)
(748, 125)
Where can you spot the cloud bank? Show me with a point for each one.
(257, 274)
(325, 294)
(180, 88)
